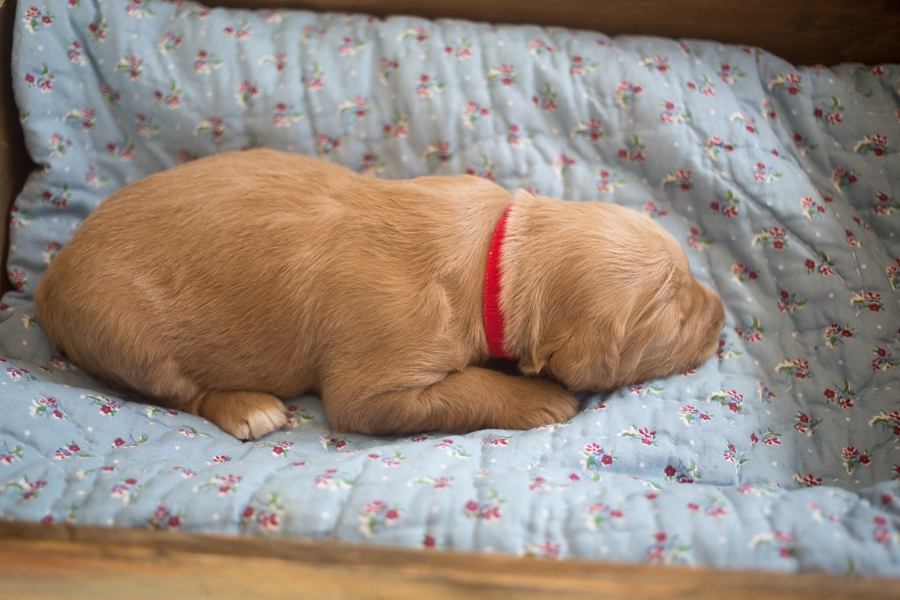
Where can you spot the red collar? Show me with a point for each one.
(494, 321)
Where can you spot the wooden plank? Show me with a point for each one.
(825, 31)
(15, 165)
(66, 561)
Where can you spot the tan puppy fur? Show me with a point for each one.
(222, 285)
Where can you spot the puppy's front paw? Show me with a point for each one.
(541, 402)
(245, 415)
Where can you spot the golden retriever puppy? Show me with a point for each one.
(224, 284)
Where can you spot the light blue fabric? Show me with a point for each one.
(783, 183)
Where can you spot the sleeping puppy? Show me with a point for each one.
(224, 284)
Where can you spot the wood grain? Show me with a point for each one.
(801, 32)
(15, 165)
(66, 561)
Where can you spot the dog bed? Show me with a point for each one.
(782, 452)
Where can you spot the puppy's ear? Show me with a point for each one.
(587, 360)
(534, 364)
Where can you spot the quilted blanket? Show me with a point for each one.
(782, 452)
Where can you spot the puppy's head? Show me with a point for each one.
(621, 305)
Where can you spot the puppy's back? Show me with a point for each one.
(201, 244)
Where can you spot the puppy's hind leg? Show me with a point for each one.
(245, 415)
